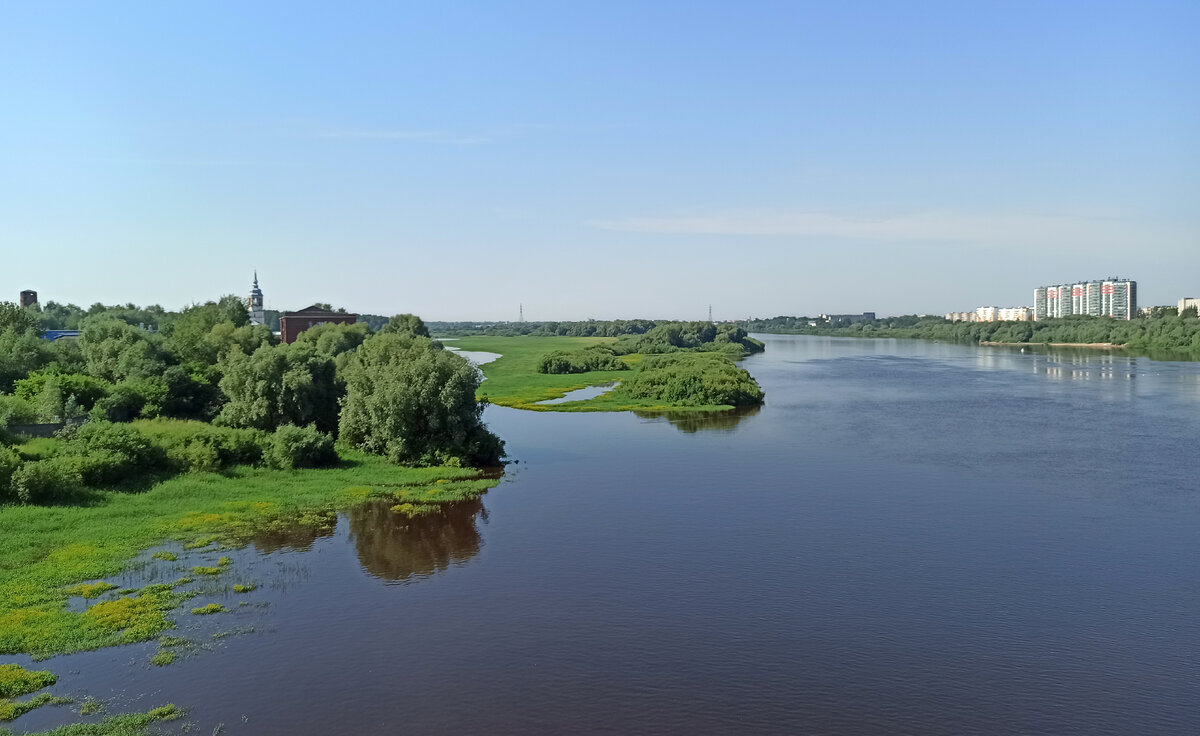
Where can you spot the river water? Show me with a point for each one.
(908, 538)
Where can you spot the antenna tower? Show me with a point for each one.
(521, 313)
(710, 313)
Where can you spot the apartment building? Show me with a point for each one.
(1114, 297)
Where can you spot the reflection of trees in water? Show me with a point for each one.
(298, 534)
(702, 421)
(394, 546)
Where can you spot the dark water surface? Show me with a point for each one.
(909, 538)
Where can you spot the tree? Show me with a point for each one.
(21, 353)
(406, 324)
(411, 401)
(19, 320)
(287, 384)
(115, 350)
(189, 335)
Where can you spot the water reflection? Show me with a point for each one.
(397, 547)
(690, 422)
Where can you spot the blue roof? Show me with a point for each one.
(57, 334)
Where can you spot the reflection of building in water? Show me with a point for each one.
(394, 546)
(690, 422)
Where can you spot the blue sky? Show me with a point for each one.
(601, 160)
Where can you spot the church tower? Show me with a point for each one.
(254, 304)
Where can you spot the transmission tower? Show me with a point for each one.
(710, 313)
(521, 313)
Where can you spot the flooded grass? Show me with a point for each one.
(10, 710)
(210, 609)
(162, 658)
(44, 551)
(202, 570)
(130, 724)
(513, 379)
(89, 590)
(245, 587)
(15, 680)
(164, 555)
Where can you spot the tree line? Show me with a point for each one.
(1164, 329)
(392, 391)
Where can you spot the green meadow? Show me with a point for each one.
(513, 379)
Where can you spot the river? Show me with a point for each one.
(908, 538)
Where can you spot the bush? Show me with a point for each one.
(9, 462)
(107, 453)
(197, 446)
(594, 358)
(47, 481)
(133, 398)
(300, 447)
(693, 379)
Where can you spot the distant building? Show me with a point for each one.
(254, 304)
(1189, 303)
(1014, 314)
(960, 316)
(1113, 297)
(28, 298)
(848, 318)
(291, 324)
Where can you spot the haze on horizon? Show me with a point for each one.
(613, 161)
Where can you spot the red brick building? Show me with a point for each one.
(291, 324)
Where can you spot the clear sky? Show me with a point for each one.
(607, 159)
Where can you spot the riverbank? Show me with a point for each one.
(513, 379)
(1094, 345)
(57, 563)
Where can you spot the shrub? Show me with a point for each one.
(695, 379)
(107, 453)
(9, 462)
(133, 398)
(300, 447)
(47, 481)
(197, 446)
(593, 358)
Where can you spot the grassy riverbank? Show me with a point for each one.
(513, 379)
(45, 550)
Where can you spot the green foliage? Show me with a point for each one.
(15, 410)
(106, 453)
(10, 711)
(591, 358)
(406, 324)
(134, 398)
(131, 724)
(21, 353)
(692, 336)
(288, 384)
(693, 380)
(115, 350)
(300, 447)
(1166, 332)
(332, 339)
(197, 446)
(413, 402)
(19, 320)
(191, 335)
(55, 480)
(209, 609)
(16, 680)
(86, 389)
(9, 462)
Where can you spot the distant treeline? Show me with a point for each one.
(1163, 330)
(635, 335)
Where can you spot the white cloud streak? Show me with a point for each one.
(1015, 229)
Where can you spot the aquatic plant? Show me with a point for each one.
(162, 658)
(89, 590)
(202, 570)
(11, 710)
(208, 610)
(244, 587)
(90, 706)
(164, 555)
(15, 680)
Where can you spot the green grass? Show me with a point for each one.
(38, 448)
(162, 658)
(131, 724)
(10, 710)
(164, 555)
(513, 380)
(15, 680)
(90, 590)
(45, 549)
(201, 570)
(209, 610)
(245, 587)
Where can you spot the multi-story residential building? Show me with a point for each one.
(1014, 314)
(1189, 303)
(1114, 297)
(960, 316)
